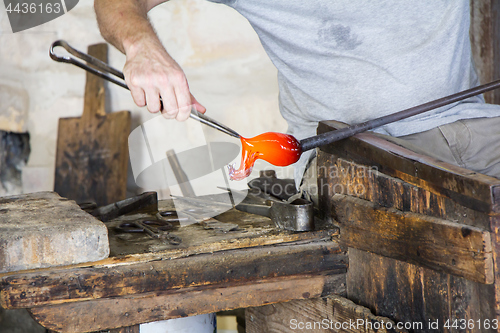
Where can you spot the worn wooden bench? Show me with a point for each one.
(422, 235)
(146, 280)
(422, 248)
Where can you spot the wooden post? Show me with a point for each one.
(319, 315)
(485, 40)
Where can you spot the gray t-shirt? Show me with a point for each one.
(355, 60)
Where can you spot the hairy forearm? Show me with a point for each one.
(124, 23)
(154, 78)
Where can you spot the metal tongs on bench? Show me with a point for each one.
(111, 74)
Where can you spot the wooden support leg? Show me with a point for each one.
(328, 314)
(130, 329)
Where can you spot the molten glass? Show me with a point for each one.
(276, 148)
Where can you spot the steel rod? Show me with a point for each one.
(336, 135)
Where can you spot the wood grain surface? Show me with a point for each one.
(409, 293)
(26, 290)
(319, 315)
(469, 189)
(439, 244)
(115, 312)
(92, 150)
(387, 184)
(368, 183)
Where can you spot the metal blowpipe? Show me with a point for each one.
(332, 136)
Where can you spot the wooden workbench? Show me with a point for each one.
(404, 238)
(422, 235)
(147, 280)
(421, 238)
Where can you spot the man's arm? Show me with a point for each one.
(149, 71)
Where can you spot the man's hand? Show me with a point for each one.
(149, 71)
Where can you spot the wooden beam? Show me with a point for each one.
(337, 175)
(485, 37)
(430, 242)
(320, 315)
(467, 188)
(26, 290)
(410, 293)
(190, 301)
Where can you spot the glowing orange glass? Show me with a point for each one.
(276, 148)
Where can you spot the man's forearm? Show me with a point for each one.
(154, 78)
(124, 23)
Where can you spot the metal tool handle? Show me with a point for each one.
(155, 233)
(102, 68)
(262, 210)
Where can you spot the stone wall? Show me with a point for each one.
(227, 69)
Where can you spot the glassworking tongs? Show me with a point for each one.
(103, 70)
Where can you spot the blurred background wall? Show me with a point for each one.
(227, 69)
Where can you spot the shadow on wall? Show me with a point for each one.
(14, 153)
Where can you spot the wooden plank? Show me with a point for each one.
(427, 241)
(469, 189)
(485, 42)
(187, 302)
(92, 151)
(337, 175)
(408, 293)
(394, 288)
(26, 290)
(329, 314)
(482, 43)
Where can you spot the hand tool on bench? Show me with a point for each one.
(159, 229)
(144, 201)
(147, 202)
(92, 151)
(113, 75)
(295, 216)
(204, 210)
